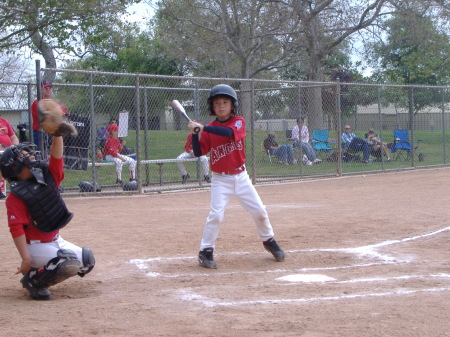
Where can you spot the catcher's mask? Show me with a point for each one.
(15, 158)
(222, 90)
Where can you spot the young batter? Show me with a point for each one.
(36, 212)
(224, 139)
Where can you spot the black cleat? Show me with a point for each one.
(272, 246)
(206, 259)
(207, 178)
(185, 178)
(119, 182)
(2, 196)
(40, 294)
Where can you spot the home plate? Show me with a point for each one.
(306, 278)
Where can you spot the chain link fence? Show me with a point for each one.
(154, 134)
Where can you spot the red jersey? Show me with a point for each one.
(112, 147)
(6, 132)
(226, 153)
(19, 219)
(34, 113)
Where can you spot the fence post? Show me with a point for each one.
(252, 130)
(338, 131)
(380, 125)
(411, 122)
(146, 154)
(93, 133)
(443, 126)
(138, 136)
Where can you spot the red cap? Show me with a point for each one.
(46, 83)
(112, 127)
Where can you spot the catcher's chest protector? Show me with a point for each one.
(47, 209)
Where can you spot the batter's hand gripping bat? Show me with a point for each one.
(177, 106)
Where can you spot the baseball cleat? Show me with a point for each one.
(207, 178)
(272, 246)
(206, 259)
(185, 178)
(40, 294)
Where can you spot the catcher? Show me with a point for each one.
(36, 211)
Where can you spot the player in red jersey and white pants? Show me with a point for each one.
(36, 212)
(224, 140)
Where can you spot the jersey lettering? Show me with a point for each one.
(224, 150)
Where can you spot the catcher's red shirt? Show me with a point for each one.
(19, 219)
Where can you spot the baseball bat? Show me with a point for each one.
(177, 106)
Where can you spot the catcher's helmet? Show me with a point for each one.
(13, 159)
(222, 90)
(130, 186)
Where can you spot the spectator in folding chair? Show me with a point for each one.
(351, 143)
(113, 147)
(284, 152)
(376, 147)
(304, 142)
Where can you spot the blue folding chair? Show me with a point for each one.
(402, 147)
(320, 142)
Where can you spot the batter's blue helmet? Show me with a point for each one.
(222, 90)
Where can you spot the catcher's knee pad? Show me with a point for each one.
(88, 261)
(58, 269)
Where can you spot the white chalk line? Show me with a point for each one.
(366, 251)
(209, 303)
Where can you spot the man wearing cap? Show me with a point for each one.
(46, 92)
(112, 149)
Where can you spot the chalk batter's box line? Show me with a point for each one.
(403, 292)
(365, 251)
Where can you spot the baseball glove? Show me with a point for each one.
(52, 120)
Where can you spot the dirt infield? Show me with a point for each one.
(366, 256)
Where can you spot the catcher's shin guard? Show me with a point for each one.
(88, 261)
(57, 270)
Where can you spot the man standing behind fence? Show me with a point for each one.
(46, 92)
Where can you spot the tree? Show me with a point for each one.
(13, 69)
(69, 28)
(248, 39)
(414, 52)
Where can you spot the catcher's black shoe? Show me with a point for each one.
(207, 178)
(206, 259)
(272, 246)
(40, 294)
(185, 178)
